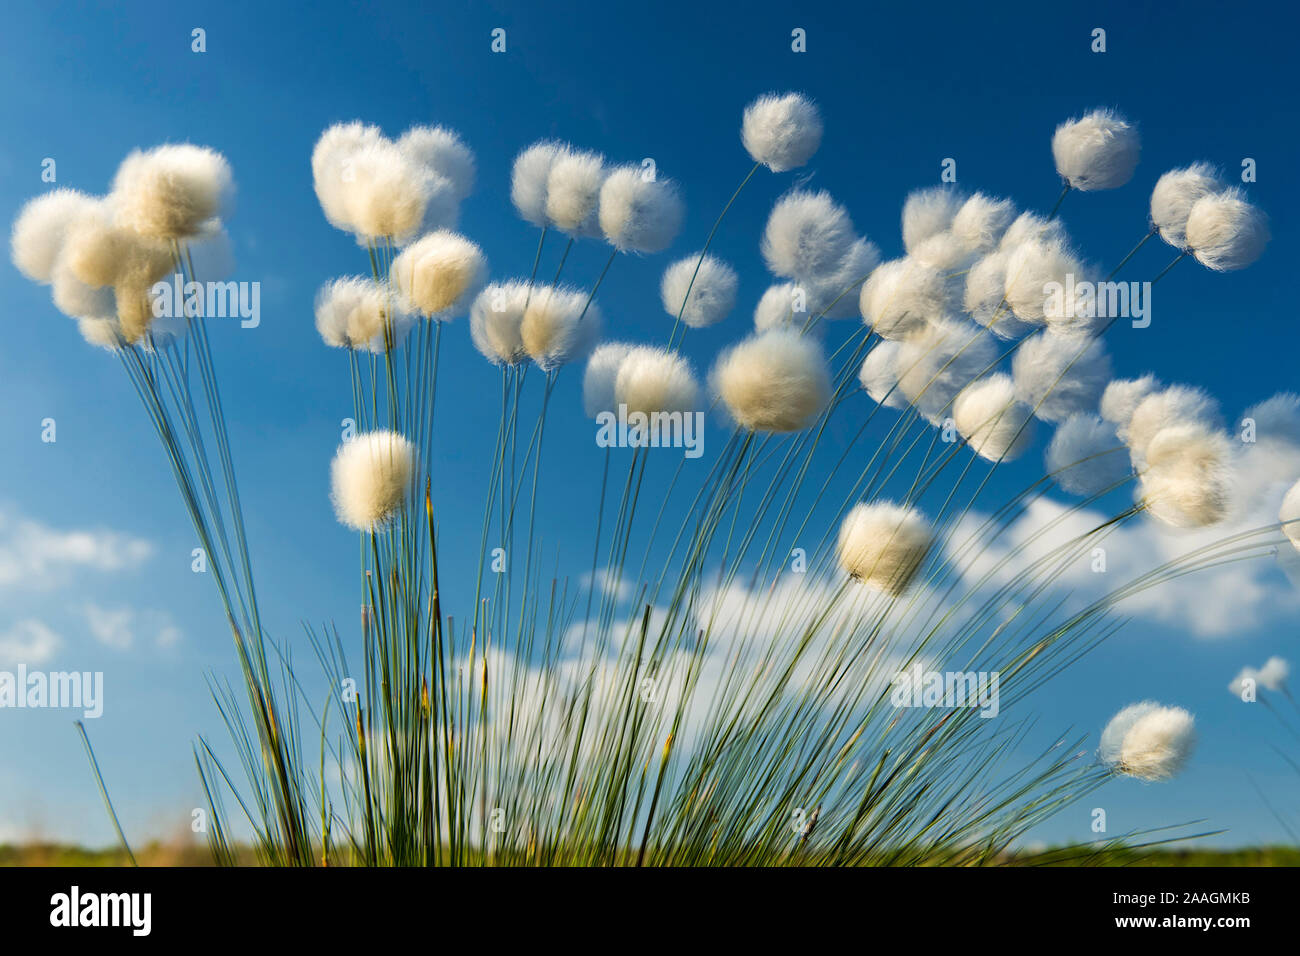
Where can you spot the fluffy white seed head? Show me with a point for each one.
(1096, 151)
(713, 292)
(928, 212)
(386, 194)
(993, 422)
(357, 313)
(1185, 478)
(1158, 410)
(438, 274)
(807, 236)
(171, 191)
(495, 321)
(983, 297)
(331, 167)
(1174, 195)
(1059, 375)
(528, 179)
(40, 228)
(554, 329)
(1148, 741)
(444, 154)
(1225, 232)
(783, 305)
(1086, 457)
(838, 294)
(639, 213)
(1031, 227)
(901, 296)
(879, 375)
(653, 380)
(1122, 397)
(1289, 515)
(1272, 676)
(78, 300)
(941, 359)
(573, 192)
(370, 477)
(100, 252)
(774, 381)
(781, 131)
(945, 252)
(1030, 267)
(598, 379)
(883, 545)
(101, 333)
(981, 222)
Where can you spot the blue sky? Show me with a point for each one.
(900, 90)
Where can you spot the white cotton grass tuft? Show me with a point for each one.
(495, 320)
(1289, 515)
(554, 329)
(1272, 676)
(1148, 741)
(983, 298)
(388, 195)
(600, 375)
(370, 478)
(1174, 195)
(1030, 267)
(653, 380)
(1163, 408)
(775, 381)
(941, 359)
(883, 545)
(101, 333)
(807, 236)
(713, 291)
(928, 212)
(443, 153)
(981, 222)
(356, 312)
(879, 375)
(638, 211)
(331, 167)
(40, 228)
(901, 296)
(438, 274)
(1225, 232)
(171, 191)
(573, 192)
(1086, 457)
(1122, 397)
(1185, 478)
(944, 251)
(528, 179)
(781, 131)
(836, 296)
(995, 425)
(1059, 375)
(78, 300)
(1031, 227)
(1096, 151)
(100, 252)
(783, 305)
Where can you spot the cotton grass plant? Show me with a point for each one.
(685, 699)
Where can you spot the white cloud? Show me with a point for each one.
(118, 628)
(36, 556)
(28, 642)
